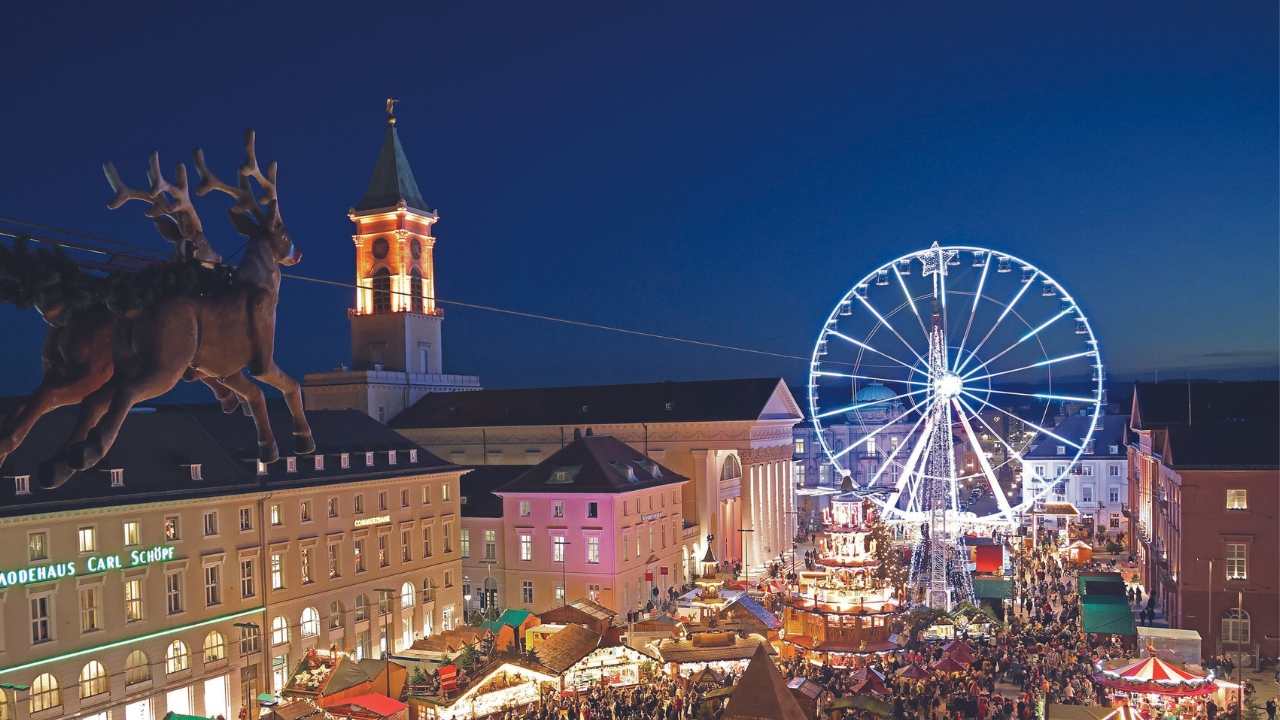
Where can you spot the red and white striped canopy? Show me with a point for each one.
(1154, 669)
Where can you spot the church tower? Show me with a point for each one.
(396, 354)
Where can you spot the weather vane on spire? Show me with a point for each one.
(391, 110)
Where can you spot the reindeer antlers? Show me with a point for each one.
(242, 192)
(175, 218)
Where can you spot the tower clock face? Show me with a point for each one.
(415, 249)
(380, 248)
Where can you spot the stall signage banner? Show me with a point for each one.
(92, 564)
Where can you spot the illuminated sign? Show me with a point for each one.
(92, 564)
(651, 516)
(379, 520)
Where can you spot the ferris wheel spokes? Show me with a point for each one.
(898, 448)
(1042, 396)
(1022, 291)
(903, 284)
(865, 346)
(972, 311)
(892, 329)
(1024, 421)
(996, 491)
(908, 470)
(1024, 338)
(859, 406)
(1032, 366)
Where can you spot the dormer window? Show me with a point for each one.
(651, 467)
(1089, 447)
(1113, 449)
(319, 460)
(368, 459)
(391, 457)
(563, 475)
(1062, 450)
(262, 468)
(117, 477)
(291, 464)
(413, 456)
(195, 472)
(624, 470)
(669, 405)
(344, 460)
(22, 484)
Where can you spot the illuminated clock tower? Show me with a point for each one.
(396, 354)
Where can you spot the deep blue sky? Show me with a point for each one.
(720, 171)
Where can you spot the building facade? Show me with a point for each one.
(1204, 490)
(180, 575)
(1098, 485)
(396, 349)
(595, 520)
(484, 551)
(731, 438)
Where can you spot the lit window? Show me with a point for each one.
(383, 559)
(359, 555)
(310, 625)
(215, 647)
(304, 511)
(1237, 499)
(559, 592)
(132, 533)
(444, 492)
(1236, 566)
(526, 508)
(466, 543)
(277, 515)
(132, 600)
(211, 523)
(799, 446)
(557, 549)
(557, 509)
(277, 571)
(38, 546)
(88, 540)
(490, 544)
(22, 484)
(526, 548)
(406, 596)
(526, 592)
(137, 668)
(45, 693)
(279, 630)
(593, 550)
(177, 658)
(426, 494)
(246, 519)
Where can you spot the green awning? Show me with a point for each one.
(1108, 617)
(993, 588)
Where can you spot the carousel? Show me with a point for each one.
(1156, 688)
(840, 612)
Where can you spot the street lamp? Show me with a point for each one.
(466, 598)
(1240, 591)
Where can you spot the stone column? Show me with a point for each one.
(746, 518)
(703, 505)
(771, 513)
(758, 521)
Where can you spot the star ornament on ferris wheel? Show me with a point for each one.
(935, 260)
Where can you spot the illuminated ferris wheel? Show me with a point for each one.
(942, 367)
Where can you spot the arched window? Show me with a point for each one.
(382, 290)
(45, 693)
(280, 630)
(428, 591)
(6, 709)
(1235, 626)
(177, 657)
(215, 647)
(310, 623)
(406, 595)
(362, 608)
(336, 613)
(415, 290)
(137, 668)
(93, 680)
(731, 468)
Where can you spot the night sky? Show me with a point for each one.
(716, 171)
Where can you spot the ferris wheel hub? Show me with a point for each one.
(948, 385)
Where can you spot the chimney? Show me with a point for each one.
(577, 433)
(589, 433)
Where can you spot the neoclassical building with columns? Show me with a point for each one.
(731, 438)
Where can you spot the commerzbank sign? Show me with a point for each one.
(91, 565)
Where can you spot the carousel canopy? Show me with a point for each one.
(1155, 677)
